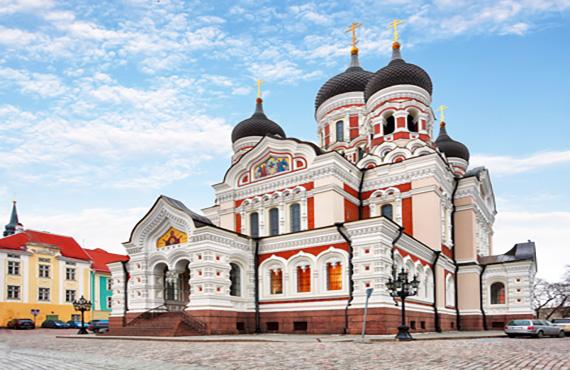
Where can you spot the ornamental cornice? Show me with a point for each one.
(330, 236)
(338, 101)
(479, 206)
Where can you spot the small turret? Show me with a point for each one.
(14, 225)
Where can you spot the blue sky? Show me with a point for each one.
(106, 105)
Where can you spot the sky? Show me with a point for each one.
(105, 105)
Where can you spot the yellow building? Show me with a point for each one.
(44, 272)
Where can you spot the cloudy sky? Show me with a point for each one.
(105, 105)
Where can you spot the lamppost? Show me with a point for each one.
(401, 287)
(82, 305)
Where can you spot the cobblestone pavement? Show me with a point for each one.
(39, 349)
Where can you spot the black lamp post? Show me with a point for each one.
(82, 305)
(401, 287)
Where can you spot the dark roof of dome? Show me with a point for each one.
(398, 72)
(353, 79)
(257, 125)
(450, 147)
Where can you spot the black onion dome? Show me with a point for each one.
(257, 125)
(353, 79)
(450, 147)
(398, 72)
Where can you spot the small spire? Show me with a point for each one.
(352, 29)
(10, 229)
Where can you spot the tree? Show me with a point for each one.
(552, 296)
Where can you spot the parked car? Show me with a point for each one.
(98, 326)
(533, 328)
(55, 324)
(77, 324)
(563, 323)
(21, 324)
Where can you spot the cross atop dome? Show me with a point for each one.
(394, 25)
(352, 28)
(442, 109)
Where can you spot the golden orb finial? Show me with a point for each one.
(394, 25)
(352, 29)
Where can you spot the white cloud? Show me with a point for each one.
(549, 230)
(16, 6)
(519, 29)
(16, 37)
(42, 84)
(508, 165)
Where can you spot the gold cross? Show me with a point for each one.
(442, 109)
(352, 29)
(259, 82)
(394, 25)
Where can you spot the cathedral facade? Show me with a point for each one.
(299, 231)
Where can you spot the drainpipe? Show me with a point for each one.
(342, 231)
(125, 287)
(456, 293)
(481, 298)
(256, 276)
(436, 320)
(360, 206)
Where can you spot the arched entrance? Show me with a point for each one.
(182, 269)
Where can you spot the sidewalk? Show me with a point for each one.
(296, 338)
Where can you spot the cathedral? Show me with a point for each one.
(300, 231)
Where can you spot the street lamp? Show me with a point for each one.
(82, 305)
(400, 286)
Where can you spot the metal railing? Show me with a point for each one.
(172, 306)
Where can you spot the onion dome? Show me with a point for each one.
(398, 72)
(257, 125)
(353, 79)
(450, 147)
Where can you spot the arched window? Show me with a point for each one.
(273, 221)
(303, 279)
(387, 211)
(235, 278)
(295, 211)
(389, 125)
(339, 131)
(498, 293)
(361, 152)
(276, 280)
(254, 224)
(412, 123)
(450, 291)
(334, 276)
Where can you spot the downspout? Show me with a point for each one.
(256, 276)
(436, 320)
(360, 206)
(456, 293)
(342, 231)
(126, 295)
(481, 298)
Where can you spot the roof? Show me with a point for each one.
(256, 125)
(100, 258)
(451, 148)
(520, 252)
(199, 220)
(353, 79)
(398, 72)
(66, 244)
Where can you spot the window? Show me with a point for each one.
(254, 224)
(339, 131)
(69, 273)
(361, 152)
(412, 123)
(273, 221)
(109, 302)
(334, 276)
(303, 279)
(389, 125)
(75, 317)
(300, 326)
(70, 295)
(13, 292)
(272, 326)
(498, 293)
(109, 284)
(13, 267)
(43, 294)
(450, 291)
(295, 210)
(276, 281)
(235, 278)
(44, 271)
(387, 211)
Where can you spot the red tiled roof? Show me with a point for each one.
(66, 244)
(101, 258)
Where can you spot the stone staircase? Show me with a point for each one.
(161, 324)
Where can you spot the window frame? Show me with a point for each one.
(67, 273)
(13, 267)
(46, 292)
(273, 221)
(236, 280)
(69, 293)
(18, 291)
(44, 269)
(491, 296)
(339, 127)
(295, 217)
(251, 229)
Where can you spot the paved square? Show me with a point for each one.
(40, 349)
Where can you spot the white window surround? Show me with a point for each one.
(382, 197)
(489, 293)
(242, 278)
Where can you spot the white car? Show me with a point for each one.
(533, 328)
